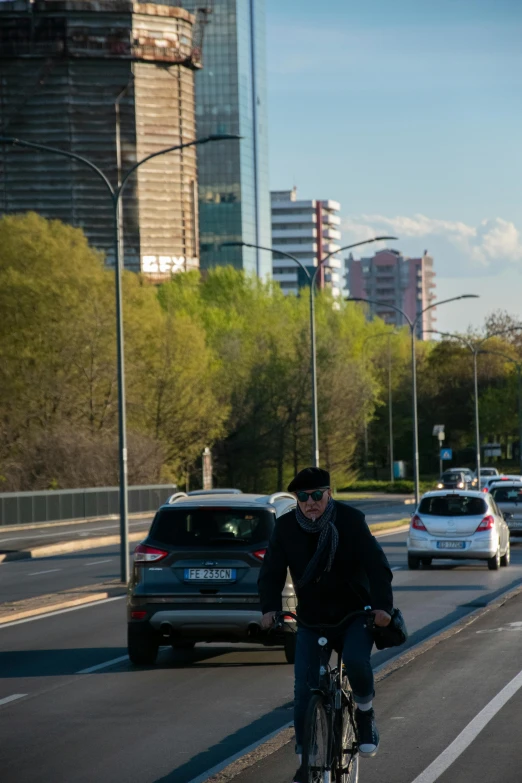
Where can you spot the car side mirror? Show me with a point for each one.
(507, 516)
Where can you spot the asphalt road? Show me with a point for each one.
(174, 721)
(28, 578)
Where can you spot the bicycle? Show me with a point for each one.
(330, 745)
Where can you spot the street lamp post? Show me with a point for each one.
(115, 194)
(412, 323)
(389, 335)
(475, 347)
(311, 279)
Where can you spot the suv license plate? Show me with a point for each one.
(451, 544)
(210, 574)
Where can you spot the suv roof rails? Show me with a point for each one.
(224, 491)
(176, 496)
(278, 495)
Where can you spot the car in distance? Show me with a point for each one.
(455, 478)
(194, 577)
(487, 483)
(508, 497)
(487, 472)
(461, 525)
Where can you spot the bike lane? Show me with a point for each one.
(450, 715)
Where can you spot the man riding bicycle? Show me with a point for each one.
(337, 567)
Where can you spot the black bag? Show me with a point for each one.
(393, 635)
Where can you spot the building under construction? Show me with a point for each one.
(66, 68)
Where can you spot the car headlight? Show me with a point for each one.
(460, 485)
(440, 486)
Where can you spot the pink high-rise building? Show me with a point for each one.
(390, 278)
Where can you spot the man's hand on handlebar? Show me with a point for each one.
(381, 618)
(268, 620)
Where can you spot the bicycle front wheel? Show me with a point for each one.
(316, 743)
(346, 767)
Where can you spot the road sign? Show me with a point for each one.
(446, 454)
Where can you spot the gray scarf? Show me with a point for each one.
(328, 539)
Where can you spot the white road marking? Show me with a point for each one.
(50, 571)
(12, 698)
(472, 730)
(61, 611)
(97, 562)
(103, 665)
(397, 568)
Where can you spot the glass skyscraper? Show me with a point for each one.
(234, 197)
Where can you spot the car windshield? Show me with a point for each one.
(216, 527)
(507, 494)
(452, 475)
(488, 472)
(452, 506)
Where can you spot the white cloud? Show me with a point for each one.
(494, 241)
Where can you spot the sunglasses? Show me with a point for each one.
(317, 494)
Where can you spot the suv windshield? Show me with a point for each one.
(452, 506)
(507, 494)
(216, 527)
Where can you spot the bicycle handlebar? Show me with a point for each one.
(280, 618)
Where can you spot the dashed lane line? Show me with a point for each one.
(470, 733)
(14, 697)
(97, 562)
(49, 571)
(103, 665)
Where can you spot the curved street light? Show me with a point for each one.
(311, 279)
(475, 347)
(115, 194)
(412, 323)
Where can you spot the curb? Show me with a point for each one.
(68, 546)
(285, 735)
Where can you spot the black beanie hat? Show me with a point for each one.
(310, 478)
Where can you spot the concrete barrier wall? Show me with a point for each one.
(20, 508)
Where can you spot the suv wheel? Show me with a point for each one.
(289, 645)
(426, 561)
(142, 645)
(413, 562)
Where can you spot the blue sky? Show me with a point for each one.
(410, 115)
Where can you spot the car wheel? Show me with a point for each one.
(426, 561)
(413, 562)
(506, 557)
(183, 644)
(142, 646)
(289, 644)
(494, 562)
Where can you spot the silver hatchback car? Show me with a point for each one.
(461, 525)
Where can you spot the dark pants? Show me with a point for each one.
(357, 643)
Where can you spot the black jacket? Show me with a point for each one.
(360, 575)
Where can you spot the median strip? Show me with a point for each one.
(64, 547)
(65, 599)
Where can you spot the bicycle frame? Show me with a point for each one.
(330, 688)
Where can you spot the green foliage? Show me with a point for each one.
(400, 487)
(221, 360)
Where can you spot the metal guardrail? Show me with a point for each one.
(21, 508)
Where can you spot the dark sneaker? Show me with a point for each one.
(300, 776)
(367, 733)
